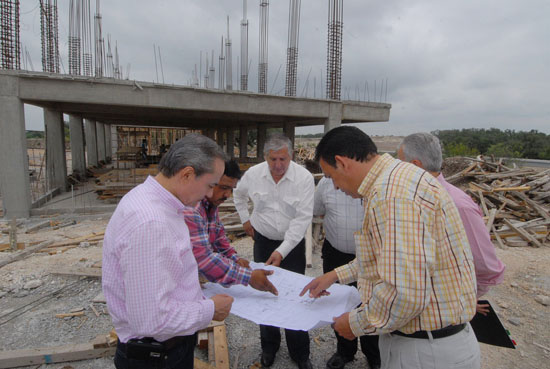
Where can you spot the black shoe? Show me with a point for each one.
(338, 361)
(305, 364)
(267, 359)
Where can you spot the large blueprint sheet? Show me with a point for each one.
(288, 310)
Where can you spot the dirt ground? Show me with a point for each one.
(27, 313)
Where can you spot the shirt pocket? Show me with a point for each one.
(260, 199)
(290, 205)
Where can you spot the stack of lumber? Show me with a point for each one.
(515, 201)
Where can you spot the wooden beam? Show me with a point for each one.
(22, 254)
(221, 351)
(48, 355)
(82, 271)
(523, 233)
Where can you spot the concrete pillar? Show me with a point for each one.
(14, 166)
(243, 141)
(288, 130)
(260, 140)
(77, 144)
(100, 129)
(56, 162)
(91, 142)
(334, 116)
(108, 142)
(219, 136)
(230, 142)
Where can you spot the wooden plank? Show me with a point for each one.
(83, 271)
(482, 201)
(499, 240)
(22, 254)
(492, 215)
(539, 209)
(211, 352)
(49, 355)
(523, 234)
(221, 351)
(199, 364)
(66, 315)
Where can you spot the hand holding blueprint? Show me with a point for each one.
(288, 310)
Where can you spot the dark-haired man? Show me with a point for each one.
(217, 259)
(413, 266)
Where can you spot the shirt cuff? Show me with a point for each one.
(356, 323)
(285, 248)
(345, 274)
(207, 311)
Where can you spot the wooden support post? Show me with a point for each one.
(309, 246)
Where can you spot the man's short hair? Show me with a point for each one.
(424, 147)
(232, 170)
(346, 141)
(276, 142)
(193, 150)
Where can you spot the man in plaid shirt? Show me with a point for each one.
(216, 258)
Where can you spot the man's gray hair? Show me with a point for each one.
(277, 141)
(424, 147)
(193, 150)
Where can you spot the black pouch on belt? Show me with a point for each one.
(144, 349)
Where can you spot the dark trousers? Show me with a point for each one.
(296, 341)
(332, 259)
(179, 357)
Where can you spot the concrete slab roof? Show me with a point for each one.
(125, 102)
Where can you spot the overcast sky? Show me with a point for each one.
(449, 64)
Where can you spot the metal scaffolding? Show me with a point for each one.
(262, 63)
(9, 34)
(292, 48)
(49, 36)
(334, 49)
(244, 50)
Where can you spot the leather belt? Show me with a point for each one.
(150, 344)
(438, 333)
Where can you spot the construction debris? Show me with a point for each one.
(515, 202)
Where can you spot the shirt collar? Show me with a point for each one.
(379, 165)
(164, 195)
(290, 172)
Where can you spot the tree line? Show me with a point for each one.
(493, 141)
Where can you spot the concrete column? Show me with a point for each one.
(260, 140)
(77, 145)
(56, 162)
(219, 136)
(91, 142)
(14, 166)
(108, 142)
(100, 129)
(334, 116)
(288, 130)
(230, 142)
(243, 140)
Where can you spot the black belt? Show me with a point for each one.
(144, 348)
(438, 333)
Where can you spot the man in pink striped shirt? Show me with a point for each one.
(150, 276)
(424, 151)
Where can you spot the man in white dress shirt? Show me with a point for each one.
(282, 193)
(342, 217)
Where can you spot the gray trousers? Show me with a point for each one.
(461, 351)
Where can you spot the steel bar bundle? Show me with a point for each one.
(244, 50)
(334, 49)
(87, 48)
(74, 37)
(49, 32)
(212, 73)
(9, 34)
(98, 42)
(292, 49)
(262, 63)
(221, 73)
(228, 61)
